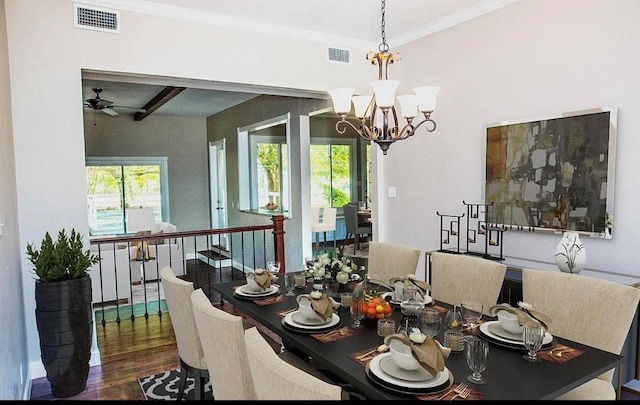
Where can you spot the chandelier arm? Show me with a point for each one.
(429, 120)
(405, 132)
(346, 124)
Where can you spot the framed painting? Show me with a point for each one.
(553, 174)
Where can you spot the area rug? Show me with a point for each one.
(110, 314)
(164, 386)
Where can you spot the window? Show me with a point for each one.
(115, 184)
(264, 166)
(333, 171)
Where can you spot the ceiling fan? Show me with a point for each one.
(106, 106)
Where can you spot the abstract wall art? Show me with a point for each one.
(554, 173)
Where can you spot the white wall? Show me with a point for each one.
(47, 55)
(13, 355)
(530, 59)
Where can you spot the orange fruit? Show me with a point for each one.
(379, 309)
(371, 312)
(387, 309)
(380, 316)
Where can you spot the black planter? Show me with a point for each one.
(65, 327)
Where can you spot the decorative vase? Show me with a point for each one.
(570, 253)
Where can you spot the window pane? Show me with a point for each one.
(320, 175)
(269, 173)
(340, 175)
(113, 189)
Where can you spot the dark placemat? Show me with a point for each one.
(271, 300)
(452, 394)
(364, 356)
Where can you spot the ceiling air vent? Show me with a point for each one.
(339, 55)
(95, 18)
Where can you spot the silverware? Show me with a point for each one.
(457, 390)
(462, 394)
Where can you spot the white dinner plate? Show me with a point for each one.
(335, 319)
(374, 367)
(496, 329)
(299, 317)
(485, 328)
(390, 367)
(243, 291)
(428, 300)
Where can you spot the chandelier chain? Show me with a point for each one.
(383, 46)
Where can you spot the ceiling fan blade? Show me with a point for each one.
(109, 111)
(134, 109)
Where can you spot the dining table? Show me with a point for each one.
(508, 375)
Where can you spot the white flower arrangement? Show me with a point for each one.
(333, 266)
(416, 336)
(315, 294)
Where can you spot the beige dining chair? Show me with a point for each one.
(177, 293)
(459, 277)
(222, 336)
(275, 379)
(389, 260)
(587, 310)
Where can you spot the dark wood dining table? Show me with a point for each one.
(509, 375)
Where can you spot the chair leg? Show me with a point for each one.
(198, 389)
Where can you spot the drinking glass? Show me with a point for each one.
(430, 322)
(471, 312)
(290, 283)
(477, 352)
(453, 319)
(273, 267)
(357, 311)
(532, 336)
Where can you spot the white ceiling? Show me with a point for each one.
(345, 21)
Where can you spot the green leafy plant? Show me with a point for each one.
(64, 259)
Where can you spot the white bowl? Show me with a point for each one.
(401, 355)
(509, 322)
(304, 306)
(252, 285)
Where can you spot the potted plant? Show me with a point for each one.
(63, 310)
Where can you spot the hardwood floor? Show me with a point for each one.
(146, 346)
(135, 349)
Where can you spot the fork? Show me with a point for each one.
(461, 387)
(463, 394)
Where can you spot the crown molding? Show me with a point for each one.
(185, 14)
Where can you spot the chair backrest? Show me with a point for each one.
(275, 379)
(584, 309)
(460, 277)
(177, 293)
(350, 218)
(222, 336)
(388, 260)
(324, 219)
(315, 214)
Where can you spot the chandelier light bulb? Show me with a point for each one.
(427, 97)
(341, 99)
(362, 105)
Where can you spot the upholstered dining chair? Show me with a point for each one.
(460, 277)
(222, 336)
(353, 226)
(323, 219)
(177, 293)
(388, 260)
(275, 379)
(587, 310)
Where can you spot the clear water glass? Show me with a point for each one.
(430, 322)
(471, 312)
(453, 319)
(532, 337)
(357, 311)
(290, 283)
(477, 352)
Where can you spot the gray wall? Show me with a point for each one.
(182, 139)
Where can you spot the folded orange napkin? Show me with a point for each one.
(430, 354)
(322, 306)
(264, 279)
(524, 314)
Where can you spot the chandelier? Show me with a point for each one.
(382, 131)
